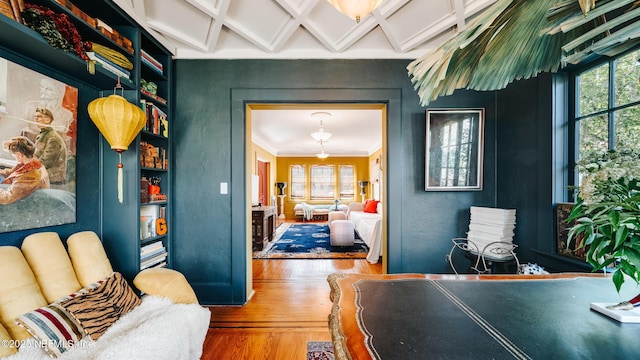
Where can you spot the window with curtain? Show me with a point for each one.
(322, 182)
(298, 182)
(347, 181)
(607, 106)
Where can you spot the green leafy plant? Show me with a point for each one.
(608, 213)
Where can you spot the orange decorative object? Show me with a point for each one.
(154, 189)
(161, 226)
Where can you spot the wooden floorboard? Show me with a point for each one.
(289, 308)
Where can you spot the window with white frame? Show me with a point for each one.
(347, 181)
(322, 182)
(298, 181)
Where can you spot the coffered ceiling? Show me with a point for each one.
(304, 29)
(299, 29)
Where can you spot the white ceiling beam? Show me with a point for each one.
(208, 8)
(458, 12)
(428, 32)
(477, 6)
(177, 35)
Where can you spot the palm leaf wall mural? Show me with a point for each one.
(518, 39)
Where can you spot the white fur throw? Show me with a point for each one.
(157, 329)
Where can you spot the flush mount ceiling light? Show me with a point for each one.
(321, 135)
(355, 9)
(322, 154)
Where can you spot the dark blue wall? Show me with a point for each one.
(87, 161)
(209, 136)
(209, 142)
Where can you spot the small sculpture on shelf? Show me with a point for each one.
(154, 189)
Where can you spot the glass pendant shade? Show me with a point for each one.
(355, 9)
(322, 155)
(321, 135)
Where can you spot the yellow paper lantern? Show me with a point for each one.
(119, 122)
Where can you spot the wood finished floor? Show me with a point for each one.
(290, 307)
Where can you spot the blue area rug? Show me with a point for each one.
(309, 241)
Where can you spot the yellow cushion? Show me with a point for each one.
(166, 283)
(88, 257)
(50, 263)
(5, 343)
(19, 291)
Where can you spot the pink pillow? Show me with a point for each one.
(371, 206)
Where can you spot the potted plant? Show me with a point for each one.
(607, 213)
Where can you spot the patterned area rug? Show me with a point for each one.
(320, 350)
(309, 241)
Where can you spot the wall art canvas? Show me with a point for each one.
(38, 117)
(454, 149)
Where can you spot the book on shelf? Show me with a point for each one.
(151, 59)
(158, 197)
(153, 261)
(159, 265)
(156, 119)
(108, 68)
(94, 56)
(154, 96)
(153, 246)
(153, 264)
(151, 66)
(154, 64)
(153, 254)
(162, 252)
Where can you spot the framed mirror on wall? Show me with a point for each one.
(454, 149)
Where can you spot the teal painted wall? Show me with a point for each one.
(209, 135)
(209, 149)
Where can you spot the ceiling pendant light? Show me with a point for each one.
(355, 9)
(321, 135)
(322, 154)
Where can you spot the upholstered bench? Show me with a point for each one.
(336, 215)
(341, 233)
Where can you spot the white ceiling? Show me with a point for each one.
(303, 29)
(287, 132)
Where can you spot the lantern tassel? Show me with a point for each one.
(120, 186)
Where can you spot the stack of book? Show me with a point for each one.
(153, 255)
(108, 65)
(490, 225)
(151, 62)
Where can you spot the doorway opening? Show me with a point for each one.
(268, 119)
